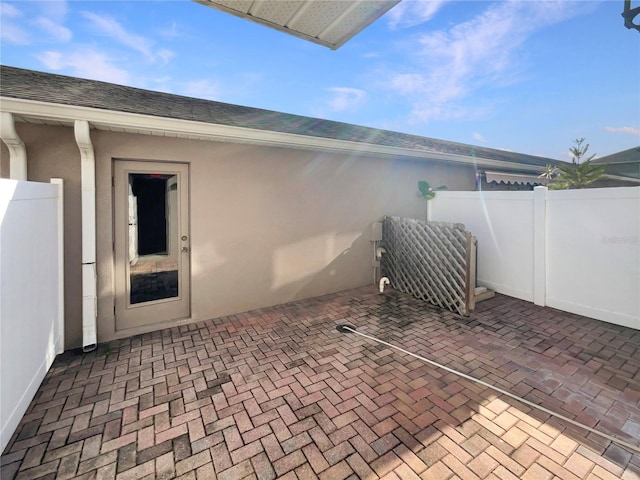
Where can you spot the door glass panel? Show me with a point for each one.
(153, 237)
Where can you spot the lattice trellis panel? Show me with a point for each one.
(432, 261)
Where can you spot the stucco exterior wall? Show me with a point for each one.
(268, 225)
(4, 161)
(52, 152)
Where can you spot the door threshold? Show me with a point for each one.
(131, 332)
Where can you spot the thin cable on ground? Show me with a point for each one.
(347, 328)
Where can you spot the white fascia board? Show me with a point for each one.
(152, 125)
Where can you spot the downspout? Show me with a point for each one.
(88, 200)
(17, 150)
(59, 339)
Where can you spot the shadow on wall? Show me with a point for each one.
(289, 225)
(276, 274)
(335, 276)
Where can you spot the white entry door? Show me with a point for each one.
(152, 266)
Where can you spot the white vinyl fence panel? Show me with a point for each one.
(31, 330)
(593, 253)
(503, 224)
(575, 250)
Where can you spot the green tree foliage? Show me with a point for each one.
(580, 172)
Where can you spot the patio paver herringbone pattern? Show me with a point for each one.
(279, 393)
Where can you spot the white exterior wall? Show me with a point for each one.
(30, 327)
(575, 250)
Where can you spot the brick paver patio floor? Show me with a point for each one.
(280, 393)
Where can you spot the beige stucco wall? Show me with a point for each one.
(4, 161)
(52, 152)
(268, 225)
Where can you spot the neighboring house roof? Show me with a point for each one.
(330, 24)
(623, 164)
(54, 98)
(627, 156)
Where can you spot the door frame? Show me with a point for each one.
(130, 318)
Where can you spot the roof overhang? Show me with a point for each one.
(58, 114)
(330, 23)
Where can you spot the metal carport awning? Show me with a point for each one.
(514, 178)
(330, 23)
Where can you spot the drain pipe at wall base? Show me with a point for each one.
(376, 239)
(383, 281)
(17, 149)
(88, 200)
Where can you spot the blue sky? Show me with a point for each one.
(528, 76)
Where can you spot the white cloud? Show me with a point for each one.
(54, 10)
(110, 27)
(14, 34)
(57, 32)
(17, 28)
(410, 13)
(251, 78)
(9, 11)
(407, 83)
(344, 98)
(567, 156)
(85, 63)
(207, 89)
(52, 60)
(478, 136)
(165, 55)
(477, 53)
(423, 112)
(627, 130)
(171, 32)
(9, 31)
(162, 84)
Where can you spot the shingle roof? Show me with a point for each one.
(51, 88)
(624, 164)
(626, 156)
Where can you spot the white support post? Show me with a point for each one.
(17, 150)
(89, 274)
(539, 246)
(59, 340)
